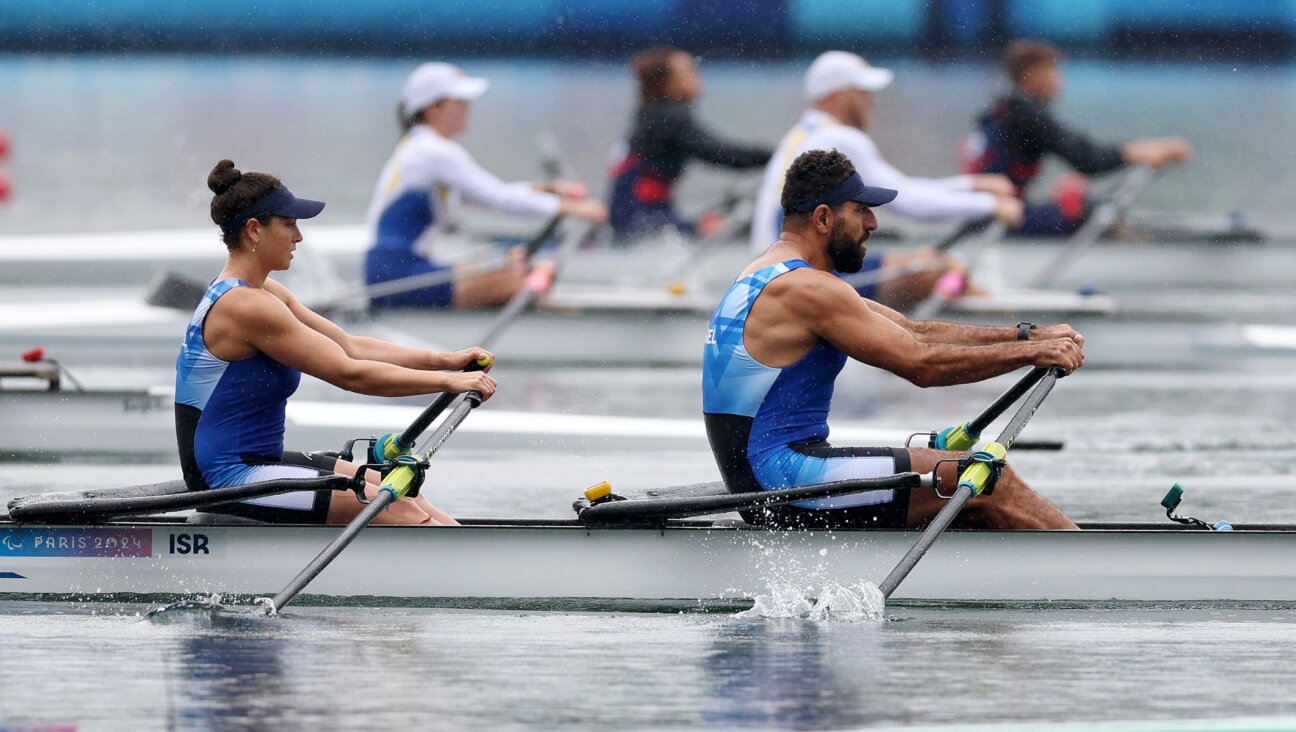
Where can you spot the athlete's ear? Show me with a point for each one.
(252, 228)
(822, 218)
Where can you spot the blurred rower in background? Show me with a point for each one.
(839, 88)
(423, 184)
(1019, 130)
(663, 140)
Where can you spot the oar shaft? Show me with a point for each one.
(1102, 219)
(1005, 400)
(965, 491)
(929, 536)
(406, 439)
(330, 552)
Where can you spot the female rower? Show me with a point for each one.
(423, 183)
(665, 137)
(245, 350)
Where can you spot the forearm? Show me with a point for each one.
(378, 378)
(375, 349)
(947, 364)
(963, 334)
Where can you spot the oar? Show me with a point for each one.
(1103, 218)
(392, 446)
(972, 482)
(949, 286)
(965, 435)
(395, 486)
(537, 283)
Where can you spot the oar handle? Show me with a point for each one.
(545, 234)
(965, 435)
(388, 448)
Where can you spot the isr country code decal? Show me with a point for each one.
(87, 542)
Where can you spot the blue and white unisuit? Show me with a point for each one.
(768, 426)
(418, 193)
(230, 415)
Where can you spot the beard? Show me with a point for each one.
(846, 251)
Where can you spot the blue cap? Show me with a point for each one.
(278, 202)
(851, 189)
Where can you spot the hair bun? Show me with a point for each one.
(223, 177)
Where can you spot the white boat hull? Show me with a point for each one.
(683, 564)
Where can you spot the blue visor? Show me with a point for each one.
(851, 189)
(278, 202)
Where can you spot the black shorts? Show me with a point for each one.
(301, 507)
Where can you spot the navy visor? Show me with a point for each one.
(851, 189)
(278, 202)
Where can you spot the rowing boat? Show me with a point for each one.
(135, 257)
(521, 562)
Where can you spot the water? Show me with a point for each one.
(345, 668)
(1129, 435)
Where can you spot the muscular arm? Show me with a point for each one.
(834, 312)
(370, 349)
(266, 323)
(943, 331)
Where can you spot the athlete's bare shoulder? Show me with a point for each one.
(809, 290)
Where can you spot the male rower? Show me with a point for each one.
(839, 87)
(1019, 130)
(783, 332)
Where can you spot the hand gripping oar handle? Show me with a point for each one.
(972, 482)
(965, 435)
(389, 446)
(394, 487)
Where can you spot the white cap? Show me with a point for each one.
(836, 70)
(432, 82)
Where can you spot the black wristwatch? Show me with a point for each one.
(1023, 330)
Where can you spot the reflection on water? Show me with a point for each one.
(356, 668)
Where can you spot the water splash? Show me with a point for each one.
(201, 607)
(833, 603)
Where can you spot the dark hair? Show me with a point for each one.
(811, 174)
(652, 67)
(235, 191)
(1025, 55)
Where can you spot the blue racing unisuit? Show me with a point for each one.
(768, 427)
(230, 419)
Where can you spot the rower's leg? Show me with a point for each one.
(1013, 505)
(343, 505)
(493, 288)
(904, 292)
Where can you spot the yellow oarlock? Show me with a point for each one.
(595, 492)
